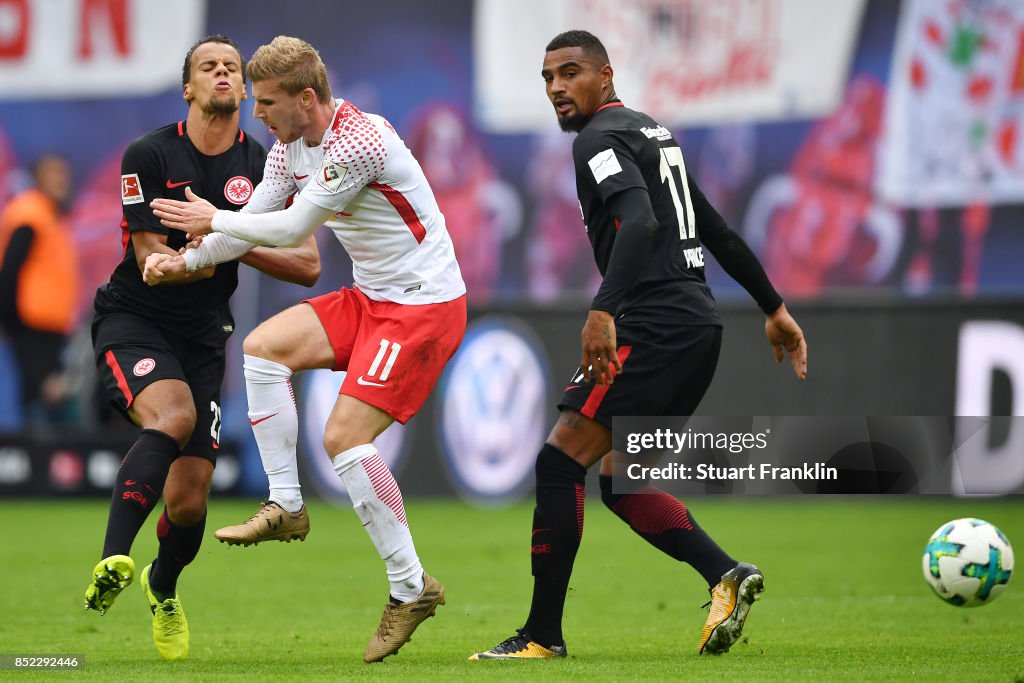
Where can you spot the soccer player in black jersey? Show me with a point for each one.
(649, 346)
(160, 352)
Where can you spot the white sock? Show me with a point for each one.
(275, 424)
(378, 503)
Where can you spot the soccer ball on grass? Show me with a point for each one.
(968, 562)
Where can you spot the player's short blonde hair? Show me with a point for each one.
(295, 62)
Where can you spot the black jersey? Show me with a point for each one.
(161, 164)
(620, 149)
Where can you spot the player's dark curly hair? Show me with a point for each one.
(584, 39)
(186, 69)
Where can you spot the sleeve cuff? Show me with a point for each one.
(217, 222)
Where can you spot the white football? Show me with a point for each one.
(968, 562)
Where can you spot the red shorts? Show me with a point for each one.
(393, 353)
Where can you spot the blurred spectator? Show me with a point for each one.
(559, 261)
(94, 209)
(39, 286)
(481, 211)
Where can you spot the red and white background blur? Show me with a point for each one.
(953, 133)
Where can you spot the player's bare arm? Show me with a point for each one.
(599, 350)
(784, 333)
(148, 244)
(159, 266)
(194, 216)
(299, 265)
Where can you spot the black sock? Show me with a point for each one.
(557, 531)
(664, 522)
(139, 485)
(179, 545)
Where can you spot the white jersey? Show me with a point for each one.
(386, 216)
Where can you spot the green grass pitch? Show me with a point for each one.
(844, 599)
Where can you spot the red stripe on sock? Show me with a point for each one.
(652, 511)
(163, 525)
(581, 497)
(384, 485)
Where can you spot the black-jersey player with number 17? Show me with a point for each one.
(649, 346)
(160, 352)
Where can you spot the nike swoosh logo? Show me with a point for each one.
(367, 383)
(256, 422)
(537, 531)
(300, 177)
(171, 186)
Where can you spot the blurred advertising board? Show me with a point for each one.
(903, 399)
(69, 49)
(684, 62)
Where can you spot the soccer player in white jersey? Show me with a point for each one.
(393, 331)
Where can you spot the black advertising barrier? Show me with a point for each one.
(891, 374)
(69, 462)
(884, 380)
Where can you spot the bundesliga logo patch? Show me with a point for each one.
(131, 189)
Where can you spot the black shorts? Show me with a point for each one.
(666, 369)
(132, 353)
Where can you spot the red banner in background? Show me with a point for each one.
(84, 48)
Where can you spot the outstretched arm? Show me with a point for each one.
(197, 216)
(733, 253)
(167, 267)
(299, 265)
(151, 248)
(742, 265)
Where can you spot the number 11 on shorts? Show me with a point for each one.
(384, 344)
